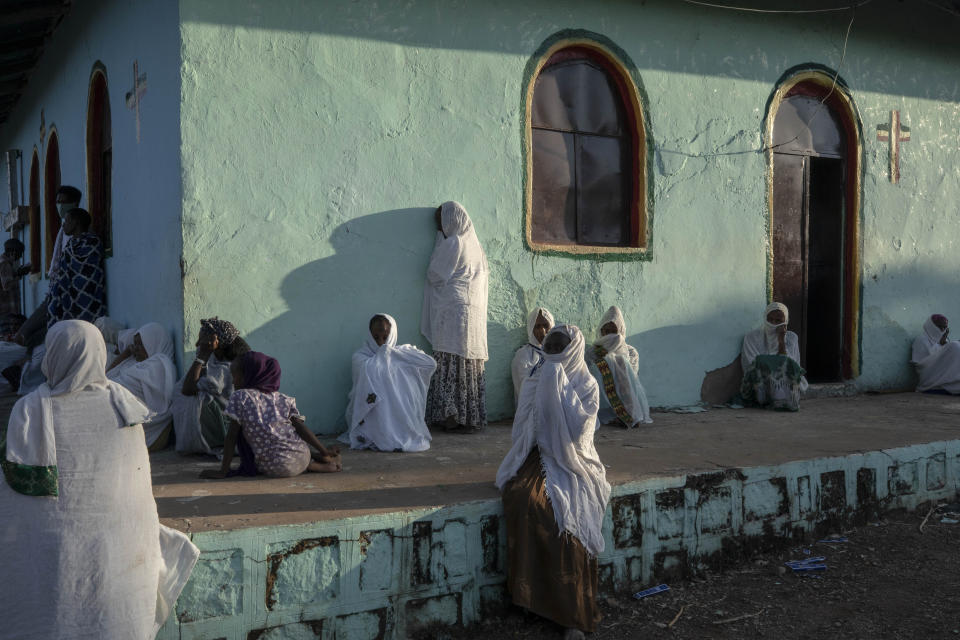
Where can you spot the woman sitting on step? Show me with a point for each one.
(555, 490)
(539, 322)
(615, 365)
(388, 401)
(197, 409)
(145, 367)
(266, 426)
(772, 375)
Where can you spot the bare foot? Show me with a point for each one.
(325, 467)
(332, 455)
(573, 634)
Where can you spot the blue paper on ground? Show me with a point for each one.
(660, 588)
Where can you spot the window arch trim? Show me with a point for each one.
(828, 83)
(624, 73)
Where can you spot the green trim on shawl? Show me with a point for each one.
(770, 371)
(27, 479)
(610, 388)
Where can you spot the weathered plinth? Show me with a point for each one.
(401, 541)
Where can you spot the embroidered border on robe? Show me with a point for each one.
(28, 479)
(610, 388)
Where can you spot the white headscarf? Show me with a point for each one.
(75, 361)
(558, 414)
(152, 380)
(454, 316)
(928, 342)
(388, 400)
(764, 341)
(527, 356)
(616, 343)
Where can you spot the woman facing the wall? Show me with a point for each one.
(454, 320)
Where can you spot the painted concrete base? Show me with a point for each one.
(390, 575)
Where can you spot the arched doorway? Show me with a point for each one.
(99, 156)
(34, 202)
(815, 156)
(51, 182)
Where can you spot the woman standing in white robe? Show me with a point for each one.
(539, 322)
(145, 367)
(553, 483)
(388, 401)
(454, 320)
(84, 553)
(936, 359)
(772, 375)
(615, 364)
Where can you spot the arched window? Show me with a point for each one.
(99, 156)
(586, 173)
(51, 182)
(34, 202)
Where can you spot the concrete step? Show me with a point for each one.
(831, 390)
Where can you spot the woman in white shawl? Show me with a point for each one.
(145, 367)
(454, 320)
(936, 359)
(555, 490)
(85, 555)
(772, 375)
(615, 365)
(539, 322)
(388, 401)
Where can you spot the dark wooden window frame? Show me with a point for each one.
(635, 122)
(51, 182)
(99, 148)
(820, 84)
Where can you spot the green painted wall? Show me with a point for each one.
(316, 139)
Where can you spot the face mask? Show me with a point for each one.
(63, 207)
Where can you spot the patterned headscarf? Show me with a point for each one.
(260, 372)
(225, 331)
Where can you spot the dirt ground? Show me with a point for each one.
(887, 581)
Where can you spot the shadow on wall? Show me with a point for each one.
(378, 267)
(482, 27)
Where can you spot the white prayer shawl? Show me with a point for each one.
(624, 363)
(214, 386)
(388, 401)
(558, 413)
(454, 315)
(764, 341)
(938, 366)
(110, 329)
(527, 356)
(92, 562)
(619, 347)
(152, 380)
(58, 246)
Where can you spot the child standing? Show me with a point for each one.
(268, 423)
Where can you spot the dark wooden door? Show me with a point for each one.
(808, 257)
(824, 309)
(789, 239)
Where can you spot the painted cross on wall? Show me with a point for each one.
(134, 96)
(895, 134)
